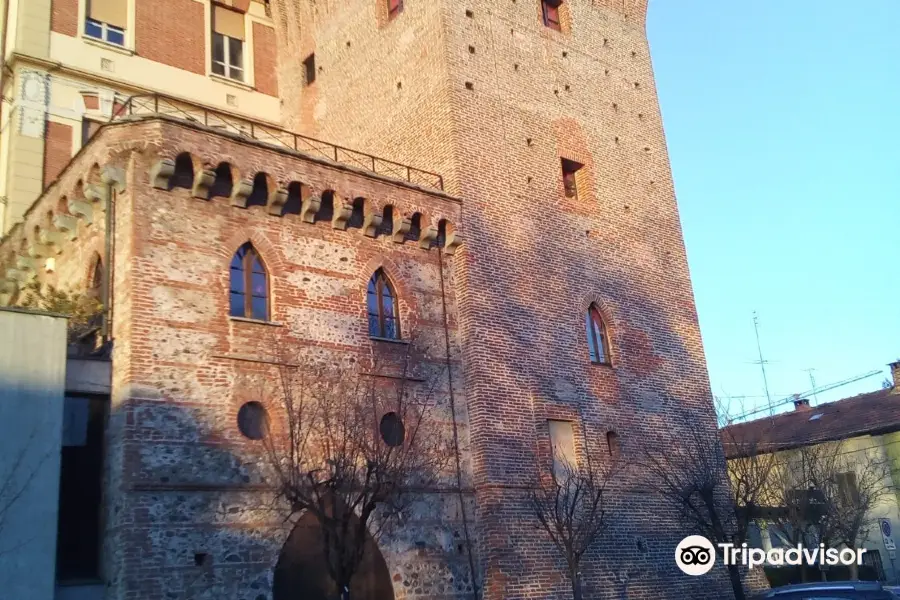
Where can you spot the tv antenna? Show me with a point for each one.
(762, 364)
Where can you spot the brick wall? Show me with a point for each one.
(57, 149)
(173, 33)
(64, 17)
(178, 466)
(492, 99)
(265, 69)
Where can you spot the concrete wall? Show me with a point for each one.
(32, 378)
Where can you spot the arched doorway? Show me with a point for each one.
(302, 574)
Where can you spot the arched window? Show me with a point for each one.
(96, 274)
(384, 319)
(598, 338)
(249, 285)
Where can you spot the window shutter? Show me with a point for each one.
(228, 22)
(562, 441)
(111, 12)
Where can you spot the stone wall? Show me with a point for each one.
(183, 482)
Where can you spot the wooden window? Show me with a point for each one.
(550, 10)
(562, 443)
(598, 338)
(569, 170)
(384, 314)
(309, 69)
(249, 292)
(228, 43)
(395, 7)
(106, 20)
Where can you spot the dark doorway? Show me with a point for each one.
(302, 574)
(80, 488)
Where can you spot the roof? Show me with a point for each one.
(866, 414)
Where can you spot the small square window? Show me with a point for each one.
(104, 31)
(569, 169)
(309, 69)
(395, 7)
(550, 12)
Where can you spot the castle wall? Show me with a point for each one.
(182, 480)
(508, 98)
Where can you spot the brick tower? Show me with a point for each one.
(544, 118)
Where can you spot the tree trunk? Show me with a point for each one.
(575, 577)
(854, 571)
(734, 574)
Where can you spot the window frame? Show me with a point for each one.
(105, 30)
(599, 350)
(228, 68)
(394, 8)
(569, 169)
(86, 128)
(381, 283)
(548, 9)
(309, 70)
(246, 278)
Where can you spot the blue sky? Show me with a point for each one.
(783, 126)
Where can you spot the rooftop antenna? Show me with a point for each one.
(762, 364)
(812, 381)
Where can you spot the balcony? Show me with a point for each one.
(157, 105)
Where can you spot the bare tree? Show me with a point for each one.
(348, 449)
(718, 498)
(572, 506)
(828, 492)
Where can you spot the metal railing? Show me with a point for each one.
(157, 104)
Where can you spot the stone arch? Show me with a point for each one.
(294, 203)
(263, 187)
(269, 253)
(301, 572)
(326, 209)
(184, 171)
(224, 181)
(417, 222)
(358, 214)
(387, 221)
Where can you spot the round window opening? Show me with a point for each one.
(392, 430)
(253, 420)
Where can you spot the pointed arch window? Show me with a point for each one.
(597, 336)
(249, 292)
(384, 315)
(96, 275)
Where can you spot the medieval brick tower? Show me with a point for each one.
(544, 118)
(498, 165)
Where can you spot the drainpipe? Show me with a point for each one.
(108, 253)
(462, 501)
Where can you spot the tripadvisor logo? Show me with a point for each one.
(696, 555)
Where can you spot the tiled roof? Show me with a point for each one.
(872, 413)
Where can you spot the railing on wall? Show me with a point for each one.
(157, 104)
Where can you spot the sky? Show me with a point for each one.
(783, 127)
